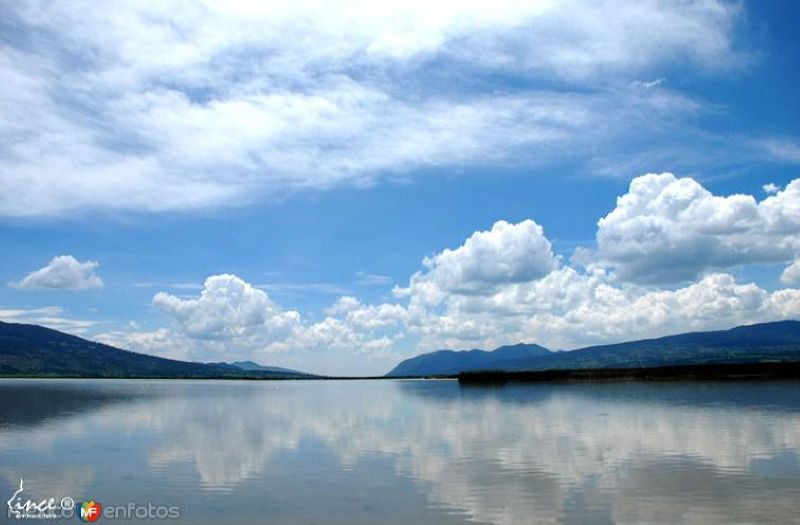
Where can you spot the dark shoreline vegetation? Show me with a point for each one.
(705, 372)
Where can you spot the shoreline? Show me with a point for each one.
(695, 372)
(702, 372)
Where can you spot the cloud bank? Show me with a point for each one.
(667, 229)
(50, 316)
(146, 107)
(505, 285)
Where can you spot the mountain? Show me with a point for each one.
(779, 341)
(253, 366)
(449, 362)
(766, 342)
(31, 350)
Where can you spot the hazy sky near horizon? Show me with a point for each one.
(336, 186)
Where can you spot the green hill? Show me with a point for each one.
(758, 343)
(448, 362)
(31, 350)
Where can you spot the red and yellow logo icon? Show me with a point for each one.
(90, 511)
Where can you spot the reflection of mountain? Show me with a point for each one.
(780, 395)
(767, 342)
(672, 452)
(31, 350)
(39, 402)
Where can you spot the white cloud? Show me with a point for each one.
(663, 227)
(343, 305)
(508, 253)
(771, 188)
(303, 287)
(791, 275)
(49, 316)
(176, 286)
(667, 229)
(63, 272)
(371, 279)
(145, 107)
(228, 308)
(782, 149)
(232, 319)
(647, 84)
(160, 342)
(569, 309)
(505, 285)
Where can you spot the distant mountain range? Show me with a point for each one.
(449, 362)
(252, 366)
(31, 350)
(758, 343)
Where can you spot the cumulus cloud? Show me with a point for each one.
(508, 253)
(569, 309)
(663, 230)
(231, 319)
(63, 272)
(228, 308)
(145, 107)
(562, 310)
(504, 285)
(668, 229)
(791, 275)
(343, 305)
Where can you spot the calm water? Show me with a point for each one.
(416, 452)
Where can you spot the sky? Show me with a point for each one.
(337, 186)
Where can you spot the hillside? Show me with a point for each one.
(449, 362)
(252, 366)
(779, 341)
(31, 350)
(766, 342)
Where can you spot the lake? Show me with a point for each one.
(415, 452)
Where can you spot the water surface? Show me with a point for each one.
(396, 452)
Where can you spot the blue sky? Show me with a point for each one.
(319, 186)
